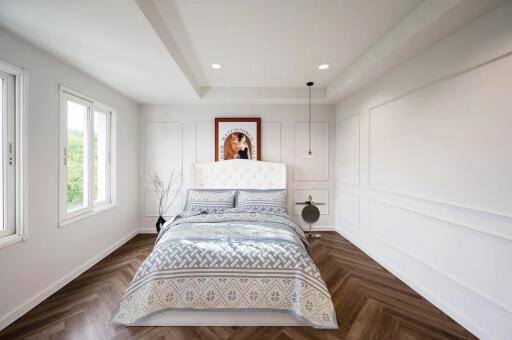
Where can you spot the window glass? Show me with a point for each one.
(76, 156)
(100, 156)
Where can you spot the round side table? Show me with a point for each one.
(310, 214)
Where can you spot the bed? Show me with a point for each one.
(238, 267)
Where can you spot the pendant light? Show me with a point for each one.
(309, 155)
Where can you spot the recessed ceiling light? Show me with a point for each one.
(216, 66)
(323, 66)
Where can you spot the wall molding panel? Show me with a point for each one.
(151, 204)
(442, 79)
(161, 138)
(507, 57)
(204, 147)
(271, 141)
(163, 144)
(344, 151)
(373, 231)
(470, 219)
(316, 169)
(445, 203)
(348, 209)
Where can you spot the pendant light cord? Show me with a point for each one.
(309, 106)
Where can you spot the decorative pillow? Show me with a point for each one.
(210, 201)
(266, 201)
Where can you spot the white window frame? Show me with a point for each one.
(17, 151)
(91, 208)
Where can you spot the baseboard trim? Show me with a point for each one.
(60, 283)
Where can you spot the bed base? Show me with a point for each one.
(218, 318)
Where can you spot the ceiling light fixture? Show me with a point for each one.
(323, 66)
(216, 66)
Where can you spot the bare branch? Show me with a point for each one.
(164, 190)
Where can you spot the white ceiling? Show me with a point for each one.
(160, 51)
(269, 43)
(109, 39)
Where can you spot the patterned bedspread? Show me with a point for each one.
(230, 261)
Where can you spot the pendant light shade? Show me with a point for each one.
(309, 155)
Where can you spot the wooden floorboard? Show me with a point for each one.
(370, 303)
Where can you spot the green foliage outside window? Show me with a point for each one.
(75, 163)
(75, 167)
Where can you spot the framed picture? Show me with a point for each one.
(237, 138)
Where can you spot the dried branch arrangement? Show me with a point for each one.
(167, 193)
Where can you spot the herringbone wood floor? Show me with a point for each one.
(370, 303)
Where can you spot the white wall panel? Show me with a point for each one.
(205, 142)
(347, 208)
(486, 223)
(448, 142)
(271, 141)
(163, 149)
(316, 169)
(347, 150)
(444, 246)
(151, 202)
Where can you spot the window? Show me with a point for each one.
(87, 172)
(11, 133)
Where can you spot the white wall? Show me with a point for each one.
(185, 134)
(32, 269)
(424, 173)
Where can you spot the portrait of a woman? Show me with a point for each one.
(237, 146)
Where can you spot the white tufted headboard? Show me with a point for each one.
(239, 174)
